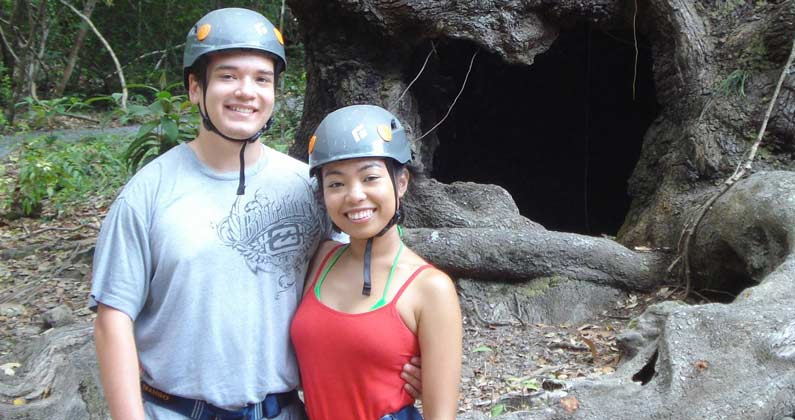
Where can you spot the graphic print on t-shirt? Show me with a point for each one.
(275, 232)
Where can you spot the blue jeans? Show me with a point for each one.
(155, 412)
(408, 412)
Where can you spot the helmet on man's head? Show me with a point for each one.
(358, 131)
(233, 29)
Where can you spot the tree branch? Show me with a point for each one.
(690, 228)
(150, 53)
(107, 46)
(7, 45)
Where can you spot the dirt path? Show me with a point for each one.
(8, 142)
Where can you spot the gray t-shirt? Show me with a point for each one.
(211, 279)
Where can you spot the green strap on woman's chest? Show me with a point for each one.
(382, 301)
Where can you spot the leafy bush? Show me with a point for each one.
(734, 83)
(41, 113)
(288, 111)
(65, 173)
(168, 121)
(6, 93)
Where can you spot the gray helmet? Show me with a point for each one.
(358, 131)
(231, 29)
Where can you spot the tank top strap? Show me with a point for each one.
(408, 282)
(324, 262)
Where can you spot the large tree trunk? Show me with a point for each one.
(714, 69)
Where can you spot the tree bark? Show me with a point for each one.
(514, 255)
(110, 51)
(44, 24)
(70, 62)
(20, 19)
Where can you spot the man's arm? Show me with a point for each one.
(412, 374)
(118, 363)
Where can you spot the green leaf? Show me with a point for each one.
(170, 130)
(497, 410)
(90, 101)
(138, 110)
(157, 108)
(138, 86)
(481, 349)
(146, 129)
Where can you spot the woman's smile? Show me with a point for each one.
(360, 215)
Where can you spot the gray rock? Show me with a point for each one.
(546, 300)
(58, 317)
(60, 378)
(12, 309)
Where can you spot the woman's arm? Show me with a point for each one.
(118, 363)
(439, 329)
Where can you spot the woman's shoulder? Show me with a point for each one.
(324, 248)
(430, 280)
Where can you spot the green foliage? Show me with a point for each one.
(288, 111)
(6, 94)
(497, 410)
(168, 121)
(172, 119)
(727, 7)
(65, 173)
(734, 83)
(750, 60)
(481, 349)
(147, 37)
(40, 113)
(523, 384)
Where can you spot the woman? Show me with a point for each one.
(372, 304)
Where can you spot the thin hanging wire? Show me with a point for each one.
(588, 46)
(463, 85)
(433, 49)
(635, 36)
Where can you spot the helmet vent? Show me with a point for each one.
(394, 124)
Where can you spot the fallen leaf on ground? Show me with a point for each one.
(701, 365)
(8, 368)
(570, 404)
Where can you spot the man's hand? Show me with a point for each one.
(412, 374)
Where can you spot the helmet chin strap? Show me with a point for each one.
(368, 248)
(241, 185)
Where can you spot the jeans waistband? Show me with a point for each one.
(408, 412)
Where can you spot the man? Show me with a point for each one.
(200, 262)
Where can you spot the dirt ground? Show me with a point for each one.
(45, 264)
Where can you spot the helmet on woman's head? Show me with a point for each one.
(358, 131)
(233, 29)
(362, 131)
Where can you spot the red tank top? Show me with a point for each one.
(351, 363)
